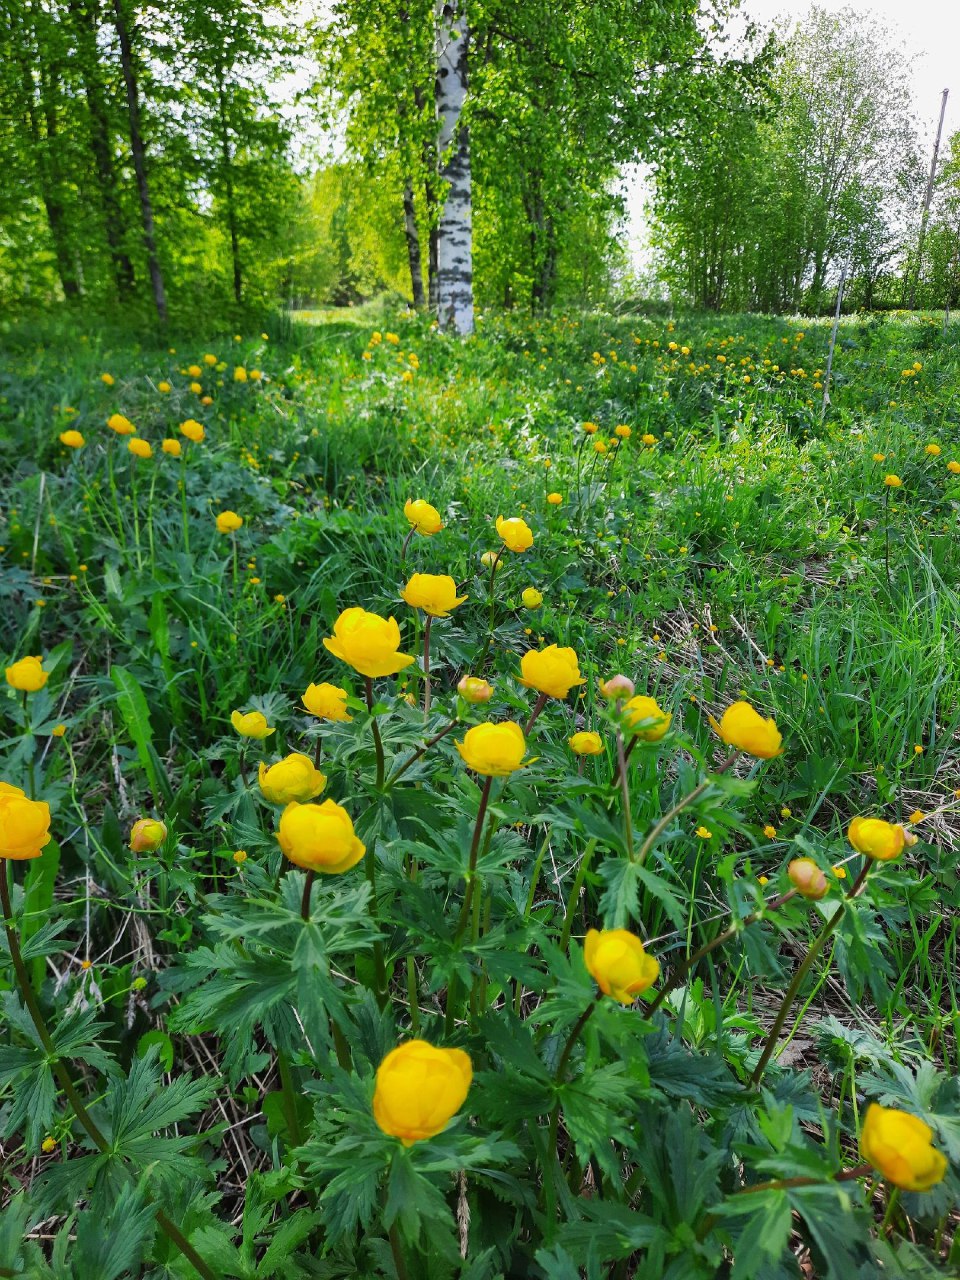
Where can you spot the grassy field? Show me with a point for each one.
(699, 524)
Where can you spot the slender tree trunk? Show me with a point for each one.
(86, 26)
(227, 160)
(413, 246)
(454, 232)
(139, 154)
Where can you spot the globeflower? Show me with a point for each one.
(745, 729)
(319, 837)
(422, 517)
(418, 1090)
(239, 374)
(555, 499)
(807, 878)
(193, 430)
(586, 743)
(619, 964)
(172, 447)
(24, 824)
(515, 533)
(293, 778)
(493, 750)
(877, 839)
(326, 702)
(140, 448)
(107, 379)
(147, 834)
(228, 522)
(641, 709)
(434, 593)
(27, 675)
(617, 688)
(532, 598)
(892, 481)
(474, 690)
(251, 724)
(933, 450)
(552, 671)
(72, 439)
(899, 1145)
(121, 425)
(368, 643)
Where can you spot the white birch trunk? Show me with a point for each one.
(455, 230)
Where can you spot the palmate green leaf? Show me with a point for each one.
(680, 1073)
(105, 1249)
(133, 707)
(859, 954)
(556, 1264)
(47, 940)
(139, 1104)
(594, 1113)
(760, 1240)
(620, 901)
(840, 1231)
(33, 1095)
(680, 1163)
(607, 1232)
(415, 1202)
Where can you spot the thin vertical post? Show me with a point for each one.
(928, 197)
(833, 343)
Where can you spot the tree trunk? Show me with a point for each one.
(227, 160)
(454, 232)
(138, 152)
(413, 246)
(85, 25)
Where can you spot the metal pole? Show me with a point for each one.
(833, 343)
(928, 197)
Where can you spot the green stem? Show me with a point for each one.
(183, 503)
(377, 740)
(380, 969)
(170, 1229)
(289, 1100)
(887, 1223)
(412, 759)
(575, 894)
(682, 804)
(472, 866)
(307, 886)
(426, 665)
(803, 969)
(538, 706)
(625, 794)
(397, 1250)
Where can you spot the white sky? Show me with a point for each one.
(926, 31)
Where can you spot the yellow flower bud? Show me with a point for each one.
(553, 671)
(422, 517)
(147, 834)
(618, 963)
(899, 1145)
(27, 675)
(807, 878)
(434, 593)
(319, 837)
(121, 425)
(326, 702)
(741, 726)
(228, 522)
(473, 689)
(492, 560)
(24, 824)
(293, 778)
(617, 688)
(193, 430)
(877, 839)
(140, 448)
(586, 743)
(515, 533)
(250, 724)
(532, 598)
(494, 750)
(239, 374)
(652, 721)
(368, 643)
(107, 379)
(172, 447)
(418, 1090)
(72, 439)
(892, 481)
(555, 499)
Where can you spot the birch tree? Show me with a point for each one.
(455, 229)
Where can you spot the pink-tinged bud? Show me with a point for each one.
(473, 689)
(617, 687)
(807, 878)
(147, 834)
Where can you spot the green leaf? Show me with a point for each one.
(136, 716)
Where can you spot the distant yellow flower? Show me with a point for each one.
(27, 675)
(193, 430)
(251, 724)
(196, 388)
(770, 831)
(553, 671)
(140, 448)
(648, 439)
(591, 428)
(72, 439)
(210, 359)
(239, 374)
(555, 499)
(876, 838)
(293, 778)
(50, 1144)
(641, 709)
(423, 517)
(319, 837)
(703, 832)
(515, 533)
(493, 750)
(326, 702)
(194, 371)
(763, 880)
(619, 964)
(228, 522)
(107, 379)
(434, 593)
(586, 743)
(807, 878)
(742, 727)
(368, 643)
(121, 425)
(58, 730)
(532, 598)
(892, 481)
(600, 446)
(240, 855)
(839, 872)
(623, 432)
(917, 816)
(419, 1088)
(953, 467)
(163, 387)
(933, 450)
(172, 447)
(901, 1147)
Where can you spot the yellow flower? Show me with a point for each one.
(648, 439)
(209, 359)
(840, 872)
(516, 533)
(474, 690)
(807, 878)
(899, 1145)
(492, 560)
(641, 709)
(770, 831)
(140, 448)
(763, 880)
(954, 467)
(879, 457)
(107, 379)
(172, 447)
(617, 688)
(27, 675)
(326, 702)
(618, 963)
(422, 517)
(193, 430)
(368, 643)
(553, 671)
(892, 481)
(600, 446)
(434, 593)
(50, 1144)
(586, 743)
(917, 816)
(163, 387)
(319, 837)
(556, 498)
(194, 371)
(704, 833)
(251, 724)
(293, 778)
(255, 375)
(933, 450)
(532, 598)
(58, 730)
(623, 432)
(419, 1089)
(228, 522)
(239, 374)
(494, 750)
(240, 855)
(24, 824)
(196, 388)
(121, 425)
(147, 834)
(72, 439)
(877, 839)
(744, 728)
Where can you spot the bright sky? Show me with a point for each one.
(926, 31)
